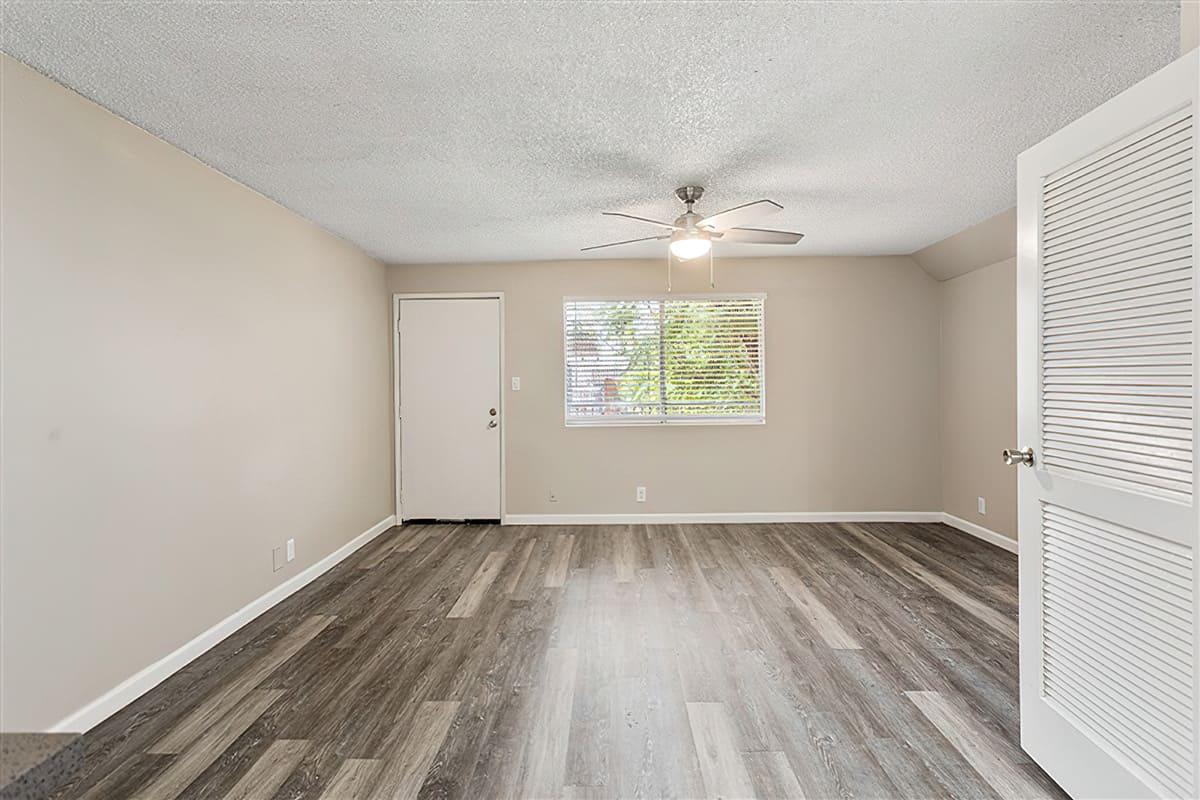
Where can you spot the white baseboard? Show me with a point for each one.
(980, 532)
(726, 517)
(134, 687)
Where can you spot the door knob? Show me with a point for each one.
(1014, 456)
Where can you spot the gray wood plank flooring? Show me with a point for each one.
(471, 661)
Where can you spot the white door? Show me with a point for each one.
(449, 408)
(1107, 229)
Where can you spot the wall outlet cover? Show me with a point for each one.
(982, 506)
(277, 559)
(641, 494)
(291, 549)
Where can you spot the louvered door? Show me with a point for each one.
(1107, 398)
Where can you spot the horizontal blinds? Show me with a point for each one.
(662, 359)
(1117, 317)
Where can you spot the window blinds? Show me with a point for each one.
(664, 360)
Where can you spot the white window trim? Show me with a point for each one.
(657, 421)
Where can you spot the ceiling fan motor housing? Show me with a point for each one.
(688, 220)
(689, 194)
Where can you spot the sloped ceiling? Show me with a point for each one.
(442, 132)
(987, 242)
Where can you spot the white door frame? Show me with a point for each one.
(396, 298)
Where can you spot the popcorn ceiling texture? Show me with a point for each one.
(453, 132)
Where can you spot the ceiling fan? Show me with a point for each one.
(692, 235)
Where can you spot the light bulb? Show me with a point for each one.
(687, 249)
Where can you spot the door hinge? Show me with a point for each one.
(397, 325)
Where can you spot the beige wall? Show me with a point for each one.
(1189, 26)
(852, 399)
(979, 396)
(191, 374)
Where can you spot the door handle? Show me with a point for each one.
(1014, 456)
(492, 423)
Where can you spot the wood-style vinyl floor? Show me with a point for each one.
(474, 661)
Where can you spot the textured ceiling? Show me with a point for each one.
(428, 132)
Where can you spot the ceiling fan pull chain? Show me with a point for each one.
(712, 279)
(668, 269)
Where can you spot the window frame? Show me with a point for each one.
(632, 421)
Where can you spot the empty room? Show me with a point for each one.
(594, 400)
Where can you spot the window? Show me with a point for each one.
(664, 360)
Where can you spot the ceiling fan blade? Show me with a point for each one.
(760, 236)
(739, 215)
(659, 223)
(627, 241)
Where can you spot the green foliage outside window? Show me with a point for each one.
(664, 358)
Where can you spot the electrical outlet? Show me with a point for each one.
(553, 497)
(982, 506)
(291, 549)
(641, 494)
(277, 561)
(516, 384)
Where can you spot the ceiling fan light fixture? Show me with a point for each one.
(687, 245)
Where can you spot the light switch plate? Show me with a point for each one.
(516, 384)
(982, 506)
(277, 560)
(291, 549)
(641, 494)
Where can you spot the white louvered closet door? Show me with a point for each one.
(1107, 399)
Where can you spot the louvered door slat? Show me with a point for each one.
(1143, 178)
(1154, 194)
(1092, 614)
(1117, 312)
(1163, 679)
(1125, 228)
(1126, 287)
(1139, 691)
(1172, 237)
(1153, 149)
(1164, 257)
(1168, 733)
(1131, 149)
(1118, 623)
(1147, 346)
(1112, 547)
(1126, 416)
(1166, 166)
(1110, 723)
(1115, 274)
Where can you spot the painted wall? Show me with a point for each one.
(852, 397)
(978, 369)
(1189, 26)
(191, 375)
